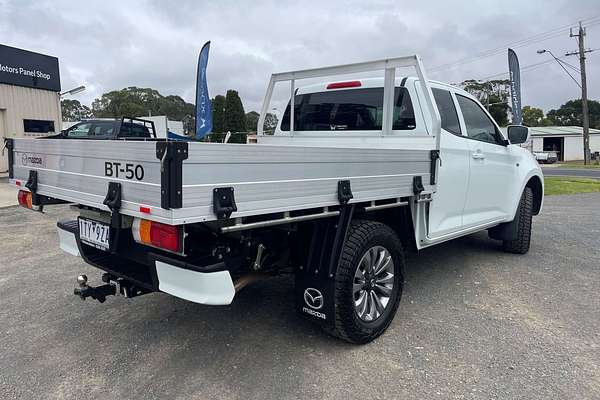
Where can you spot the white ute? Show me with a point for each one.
(356, 171)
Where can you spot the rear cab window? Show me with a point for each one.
(448, 114)
(133, 130)
(348, 110)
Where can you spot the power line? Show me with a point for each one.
(524, 42)
(592, 21)
(525, 68)
(574, 68)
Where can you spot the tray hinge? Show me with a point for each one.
(417, 184)
(224, 202)
(344, 192)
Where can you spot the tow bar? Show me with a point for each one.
(112, 287)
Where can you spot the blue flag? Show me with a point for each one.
(203, 106)
(515, 87)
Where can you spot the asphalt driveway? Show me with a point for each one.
(474, 323)
(579, 172)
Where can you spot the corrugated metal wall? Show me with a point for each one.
(18, 103)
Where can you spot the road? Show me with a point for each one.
(474, 323)
(579, 172)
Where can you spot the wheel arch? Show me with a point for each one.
(537, 187)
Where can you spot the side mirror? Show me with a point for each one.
(518, 134)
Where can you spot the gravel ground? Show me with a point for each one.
(474, 323)
(8, 193)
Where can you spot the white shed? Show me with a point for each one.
(567, 141)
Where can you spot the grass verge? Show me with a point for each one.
(569, 185)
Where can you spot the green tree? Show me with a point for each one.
(73, 110)
(494, 95)
(218, 114)
(235, 118)
(134, 102)
(533, 116)
(252, 121)
(571, 113)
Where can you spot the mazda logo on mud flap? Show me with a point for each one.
(313, 298)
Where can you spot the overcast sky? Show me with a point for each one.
(109, 45)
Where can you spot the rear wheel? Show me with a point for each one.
(524, 214)
(369, 281)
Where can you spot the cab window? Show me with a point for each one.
(348, 110)
(132, 130)
(79, 130)
(478, 125)
(448, 114)
(103, 129)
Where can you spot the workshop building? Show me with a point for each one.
(29, 95)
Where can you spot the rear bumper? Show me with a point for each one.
(67, 237)
(213, 288)
(154, 272)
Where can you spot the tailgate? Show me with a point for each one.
(79, 171)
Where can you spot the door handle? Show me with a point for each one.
(478, 156)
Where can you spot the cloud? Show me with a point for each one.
(110, 44)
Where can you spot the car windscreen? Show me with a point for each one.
(351, 110)
(91, 129)
(80, 130)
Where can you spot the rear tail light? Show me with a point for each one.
(155, 234)
(25, 199)
(165, 236)
(341, 85)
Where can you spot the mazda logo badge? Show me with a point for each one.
(313, 298)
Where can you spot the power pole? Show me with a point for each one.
(584, 104)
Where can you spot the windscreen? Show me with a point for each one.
(351, 110)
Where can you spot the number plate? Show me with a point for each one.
(94, 233)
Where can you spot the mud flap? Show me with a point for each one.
(315, 280)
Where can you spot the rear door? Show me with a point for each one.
(446, 211)
(491, 166)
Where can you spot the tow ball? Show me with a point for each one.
(97, 293)
(113, 286)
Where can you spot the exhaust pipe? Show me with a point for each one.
(247, 279)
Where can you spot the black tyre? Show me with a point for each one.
(524, 215)
(369, 281)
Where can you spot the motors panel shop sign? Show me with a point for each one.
(25, 68)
